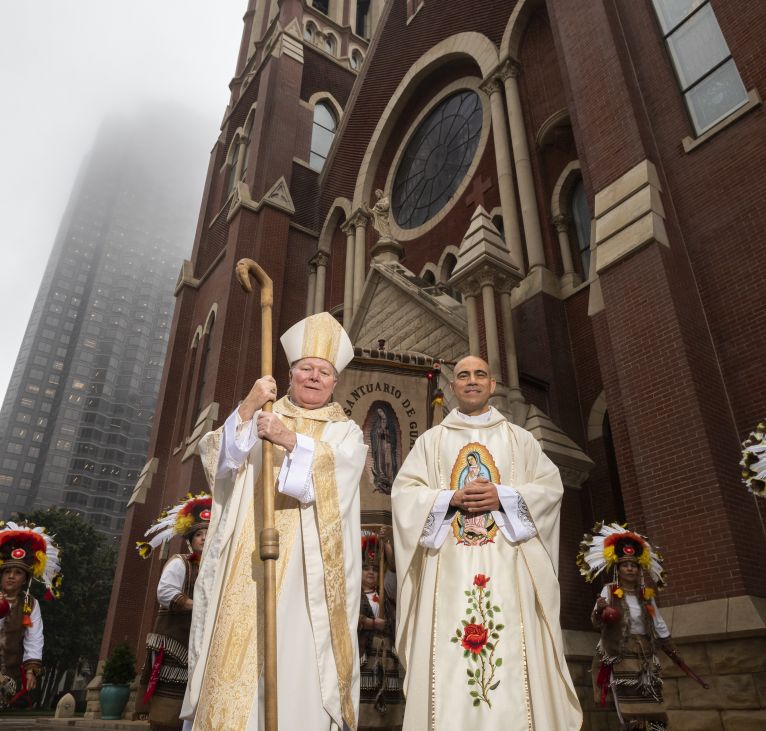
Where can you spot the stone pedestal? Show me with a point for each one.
(387, 251)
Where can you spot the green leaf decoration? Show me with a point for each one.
(498, 662)
(494, 685)
(497, 609)
(498, 627)
(466, 653)
(471, 682)
(453, 639)
(495, 636)
(475, 693)
(476, 701)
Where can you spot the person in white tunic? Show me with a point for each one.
(319, 458)
(476, 525)
(27, 553)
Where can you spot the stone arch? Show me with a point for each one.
(517, 24)
(210, 319)
(546, 134)
(325, 96)
(431, 269)
(340, 211)
(197, 337)
(474, 46)
(562, 191)
(447, 262)
(596, 418)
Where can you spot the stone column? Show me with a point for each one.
(312, 288)
(472, 314)
(490, 327)
(321, 259)
(530, 216)
(562, 229)
(360, 254)
(504, 173)
(511, 361)
(348, 280)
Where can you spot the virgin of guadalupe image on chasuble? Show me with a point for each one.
(478, 625)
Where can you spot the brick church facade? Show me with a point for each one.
(572, 190)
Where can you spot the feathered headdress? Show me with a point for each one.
(32, 549)
(609, 544)
(370, 547)
(183, 519)
(753, 460)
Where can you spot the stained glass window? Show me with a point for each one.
(437, 159)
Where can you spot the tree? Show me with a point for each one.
(75, 622)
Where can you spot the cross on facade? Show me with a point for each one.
(479, 187)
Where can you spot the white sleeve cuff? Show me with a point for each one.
(33, 636)
(295, 476)
(514, 520)
(437, 525)
(239, 438)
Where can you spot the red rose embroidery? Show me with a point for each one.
(480, 580)
(474, 638)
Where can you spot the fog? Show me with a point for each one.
(65, 65)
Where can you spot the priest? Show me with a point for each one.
(319, 457)
(476, 525)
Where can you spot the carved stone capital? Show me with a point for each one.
(491, 85)
(359, 217)
(561, 222)
(508, 69)
(320, 259)
(312, 267)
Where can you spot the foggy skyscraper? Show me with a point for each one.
(76, 419)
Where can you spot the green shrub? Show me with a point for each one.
(120, 666)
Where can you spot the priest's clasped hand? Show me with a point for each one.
(477, 496)
(271, 428)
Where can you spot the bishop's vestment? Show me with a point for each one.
(318, 577)
(478, 610)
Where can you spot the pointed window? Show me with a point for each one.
(322, 134)
(581, 218)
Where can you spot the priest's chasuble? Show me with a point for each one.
(478, 608)
(318, 581)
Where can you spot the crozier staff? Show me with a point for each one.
(163, 680)
(319, 458)
(27, 552)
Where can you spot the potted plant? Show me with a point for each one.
(119, 671)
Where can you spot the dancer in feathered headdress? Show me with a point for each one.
(631, 626)
(165, 671)
(27, 553)
(381, 703)
(753, 460)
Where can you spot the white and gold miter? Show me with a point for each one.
(318, 336)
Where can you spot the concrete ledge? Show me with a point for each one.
(647, 229)
(742, 616)
(580, 644)
(617, 191)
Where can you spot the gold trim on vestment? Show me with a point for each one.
(331, 546)
(321, 338)
(235, 658)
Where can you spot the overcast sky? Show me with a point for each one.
(64, 66)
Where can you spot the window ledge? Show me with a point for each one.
(753, 101)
